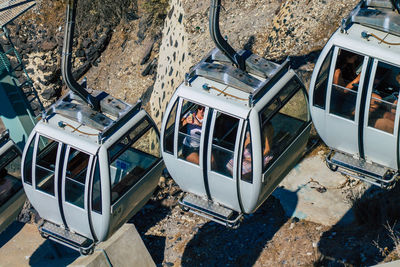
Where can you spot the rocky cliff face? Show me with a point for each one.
(118, 42)
(274, 29)
(38, 36)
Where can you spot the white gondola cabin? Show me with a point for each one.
(85, 179)
(89, 165)
(229, 136)
(12, 196)
(354, 94)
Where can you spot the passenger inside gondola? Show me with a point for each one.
(193, 122)
(223, 143)
(246, 159)
(267, 136)
(345, 84)
(384, 98)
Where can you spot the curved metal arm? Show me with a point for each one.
(219, 41)
(66, 65)
(396, 5)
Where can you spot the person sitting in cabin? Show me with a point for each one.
(268, 133)
(385, 119)
(345, 83)
(346, 73)
(191, 143)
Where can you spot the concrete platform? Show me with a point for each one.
(311, 192)
(22, 245)
(124, 248)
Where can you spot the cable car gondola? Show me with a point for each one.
(232, 132)
(354, 94)
(12, 196)
(87, 166)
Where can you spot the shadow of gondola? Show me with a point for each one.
(364, 241)
(52, 254)
(151, 214)
(10, 232)
(217, 245)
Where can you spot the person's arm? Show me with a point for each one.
(337, 76)
(350, 85)
(187, 119)
(267, 148)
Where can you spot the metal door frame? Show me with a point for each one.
(86, 190)
(236, 156)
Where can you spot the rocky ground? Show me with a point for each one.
(268, 237)
(118, 49)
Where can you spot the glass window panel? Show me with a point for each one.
(247, 158)
(321, 83)
(169, 130)
(283, 127)
(10, 176)
(292, 86)
(28, 163)
(96, 191)
(269, 110)
(190, 128)
(46, 164)
(76, 177)
(223, 145)
(149, 142)
(345, 84)
(131, 163)
(384, 97)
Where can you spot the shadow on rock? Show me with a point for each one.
(10, 232)
(53, 254)
(367, 240)
(151, 214)
(216, 245)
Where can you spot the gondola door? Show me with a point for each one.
(40, 175)
(184, 150)
(381, 121)
(222, 156)
(343, 101)
(75, 185)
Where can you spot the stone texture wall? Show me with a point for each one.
(173, 61)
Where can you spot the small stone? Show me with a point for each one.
(48, 45)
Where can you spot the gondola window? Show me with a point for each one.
(75, 179)
(384, 98)
(190, 129)
(321, 83)
(28, 163)
(223, 146)
(10, 176)
(170, 129)
(130, 159)
(345, 84)
(96, 193)
(283, 126)
(46, 164)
